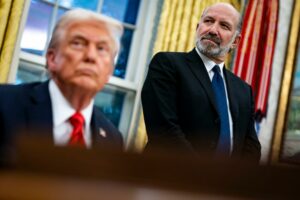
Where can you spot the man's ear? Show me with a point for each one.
(50, 58)
(236, 41)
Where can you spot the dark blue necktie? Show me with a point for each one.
(223, 146)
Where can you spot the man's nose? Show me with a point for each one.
(213, 30)
(91, 53)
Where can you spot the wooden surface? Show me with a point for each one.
(41, 171)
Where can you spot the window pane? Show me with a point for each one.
(110, 101)
(27, 72)
(120, 69)
(122, 10)
(60, 13)
(34, 38)
(90, 4)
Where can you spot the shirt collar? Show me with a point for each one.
(209, 64)
(62, 109)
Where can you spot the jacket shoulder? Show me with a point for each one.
(11, 88)
(235, 78)
(11, 94)
(168, 54)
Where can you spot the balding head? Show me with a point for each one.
(229, 8)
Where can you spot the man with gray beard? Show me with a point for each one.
(193, 104)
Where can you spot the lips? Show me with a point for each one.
(213, 39)
(87, 72)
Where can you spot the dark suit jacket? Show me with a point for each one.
(27, 108)
(180, 109)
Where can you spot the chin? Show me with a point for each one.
(85, 84)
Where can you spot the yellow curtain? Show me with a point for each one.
(176, 32)
(10, 16)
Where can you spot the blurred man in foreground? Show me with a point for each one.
(80, 60)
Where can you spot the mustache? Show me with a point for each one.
(214, 38)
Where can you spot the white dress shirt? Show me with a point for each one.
(209, 65)
(62, 111)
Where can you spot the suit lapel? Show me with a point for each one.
(232, 94)
(99, 134)
(232, 97)
(103, 132)
(39, 111)
(197, 67)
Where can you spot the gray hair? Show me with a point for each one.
(239, 25)
(114, 27)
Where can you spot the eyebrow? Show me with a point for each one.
(78, 36)
(222, 21)
(209, 17)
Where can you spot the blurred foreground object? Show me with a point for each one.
(42, 171)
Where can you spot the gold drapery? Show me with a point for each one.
(176, 32)
(10, 16)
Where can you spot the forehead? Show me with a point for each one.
(88, 28)
(222, 13)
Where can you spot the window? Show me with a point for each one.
(119, 101)
(43, 15)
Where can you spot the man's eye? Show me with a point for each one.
(208, 21)
(102, 48)
(226, 27)
(77, 44)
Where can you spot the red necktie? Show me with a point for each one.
(77, 122)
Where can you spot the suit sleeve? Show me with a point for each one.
(252, 147)
(159, 100)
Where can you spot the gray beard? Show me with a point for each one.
(212, 51)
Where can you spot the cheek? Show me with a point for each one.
(199, 33)
(202, 30)
(108, 71)
(107, 65)
(104, 76)
(60, 61)
(69, 56)
(226, 40)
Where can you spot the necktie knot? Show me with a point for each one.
(77, 122)
(216, 69)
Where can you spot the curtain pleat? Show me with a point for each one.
(10, 16)
(255, 53)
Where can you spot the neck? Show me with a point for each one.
(78, 101)
(217, 60)
(78, 98)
